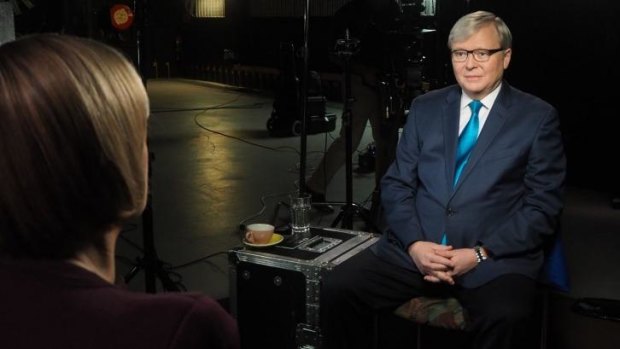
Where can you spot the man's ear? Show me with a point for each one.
(507, 56)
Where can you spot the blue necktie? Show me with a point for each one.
(467, 140)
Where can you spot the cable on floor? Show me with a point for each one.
(196, 261)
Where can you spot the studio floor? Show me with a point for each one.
(215, 167)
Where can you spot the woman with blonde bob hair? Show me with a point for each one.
(73, 169)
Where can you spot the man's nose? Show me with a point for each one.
(470, 61)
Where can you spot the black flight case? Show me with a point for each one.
(275, 291)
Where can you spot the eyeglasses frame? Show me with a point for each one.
(491, 52)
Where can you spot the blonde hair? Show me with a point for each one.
(73, 127)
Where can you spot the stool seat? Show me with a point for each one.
(438, 312)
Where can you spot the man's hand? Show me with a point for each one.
(463, 260)
(435, 266)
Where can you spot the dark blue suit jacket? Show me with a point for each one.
(509, 196)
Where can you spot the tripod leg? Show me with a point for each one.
(133, 272)
(367, 217)
(338, 218)
(164, 277)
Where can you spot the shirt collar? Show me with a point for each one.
(487, 101)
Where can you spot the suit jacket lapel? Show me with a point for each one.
(451, 114)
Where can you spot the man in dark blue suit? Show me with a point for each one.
(466, 219)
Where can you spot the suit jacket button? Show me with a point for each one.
(450, 212)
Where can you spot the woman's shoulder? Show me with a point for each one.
(199, 320)
(199, 304)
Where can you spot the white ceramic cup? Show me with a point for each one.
(259, 233)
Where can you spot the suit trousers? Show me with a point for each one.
(365, 106)
(500, 312)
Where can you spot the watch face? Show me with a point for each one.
(480, 256)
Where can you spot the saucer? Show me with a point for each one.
(275, 239)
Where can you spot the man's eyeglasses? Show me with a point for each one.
(480, 55)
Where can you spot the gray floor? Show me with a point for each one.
(215, 167)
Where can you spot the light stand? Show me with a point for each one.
(349, 209)
(304, 105)
(150, 262)
(345, 49)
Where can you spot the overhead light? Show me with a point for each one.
(208, 8)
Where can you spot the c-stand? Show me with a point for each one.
(150, 262)
(345, 49)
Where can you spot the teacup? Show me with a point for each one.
(259, 233)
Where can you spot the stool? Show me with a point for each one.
(437, 312)
(447, 313)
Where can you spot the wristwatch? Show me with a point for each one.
(480, 254)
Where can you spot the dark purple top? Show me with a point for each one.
(59, 305)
